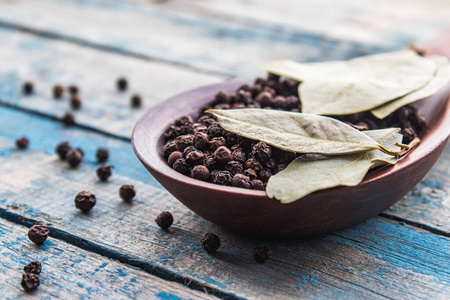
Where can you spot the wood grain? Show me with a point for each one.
(202, 42)
(373, 259)
(69, 272)
(372, 22)
(47, 62)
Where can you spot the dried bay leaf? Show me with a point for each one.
(300, 71)
(296, 132)
(365, 83)
(302, 177)
(440, 79)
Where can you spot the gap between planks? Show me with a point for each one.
(108, 48)
(111, 254)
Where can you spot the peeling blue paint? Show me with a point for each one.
(164, 296)
(103, 265)
(212, 281)
(121, 272)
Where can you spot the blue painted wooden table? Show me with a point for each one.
(162, 48)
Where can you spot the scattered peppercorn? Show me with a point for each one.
(104, 172)
(75, 101)
(164, 219)
(85, 201)
(38, 234)
(210, 242)
(30, 281)
(68, 119)
(127, 192)
(257, 184)
(102, 155)
(262, 253)
(28, 88)
(22, 143)
(136, 101)
(74, 157)
(73, 89)
(58, 91)
(33, 267)
(122, 84)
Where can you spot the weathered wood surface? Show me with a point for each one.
(375, 22)
(151, 33)
(69, 272)
(376, 259)
(47, 62)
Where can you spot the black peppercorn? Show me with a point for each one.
(28, 88)
(200, 172)
(279, 168)
(38, 234)
(33, 267)
(221, 177)
(210, 242)
(201, 141)
(210, 163)
(30, 281)
(216, 142)
(273, 77)
(270, 164)
(122, 84)
(62, 149)
(173, 157)
(250, 173)
(199, 128)
(257, 184)
(231, 138)
(136, 101)
(172, 132)
(85, 201)
(239, 156)
(234, 167)
(75, 101)
(102, 155)
(195, 158)
(261, 151)
(244, 97)
(207, 120)
(74, 157)
(293, 102)
(164, 219)
(188, 150)
(265, 98)
(240, 180)
(73, 89)
(222, 154)
(183, 120)
(265, 174)
(184, 141)
(127, 192)
(22, 143)
(215, 130)
(181, 166)
(169, 147)
(104, 172)
(58, 91)
(68, 119)
(254, 164)
(262, 253)
(221, 98)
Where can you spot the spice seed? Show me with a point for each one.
(38, 234)
(164, 219)
(210, 242)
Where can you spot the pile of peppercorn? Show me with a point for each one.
(203, 150)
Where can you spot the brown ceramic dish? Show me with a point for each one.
(251, 211)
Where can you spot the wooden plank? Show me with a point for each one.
(376, 259)
(374, 22)
(195, 40)
(47, 62)
(69, 272)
